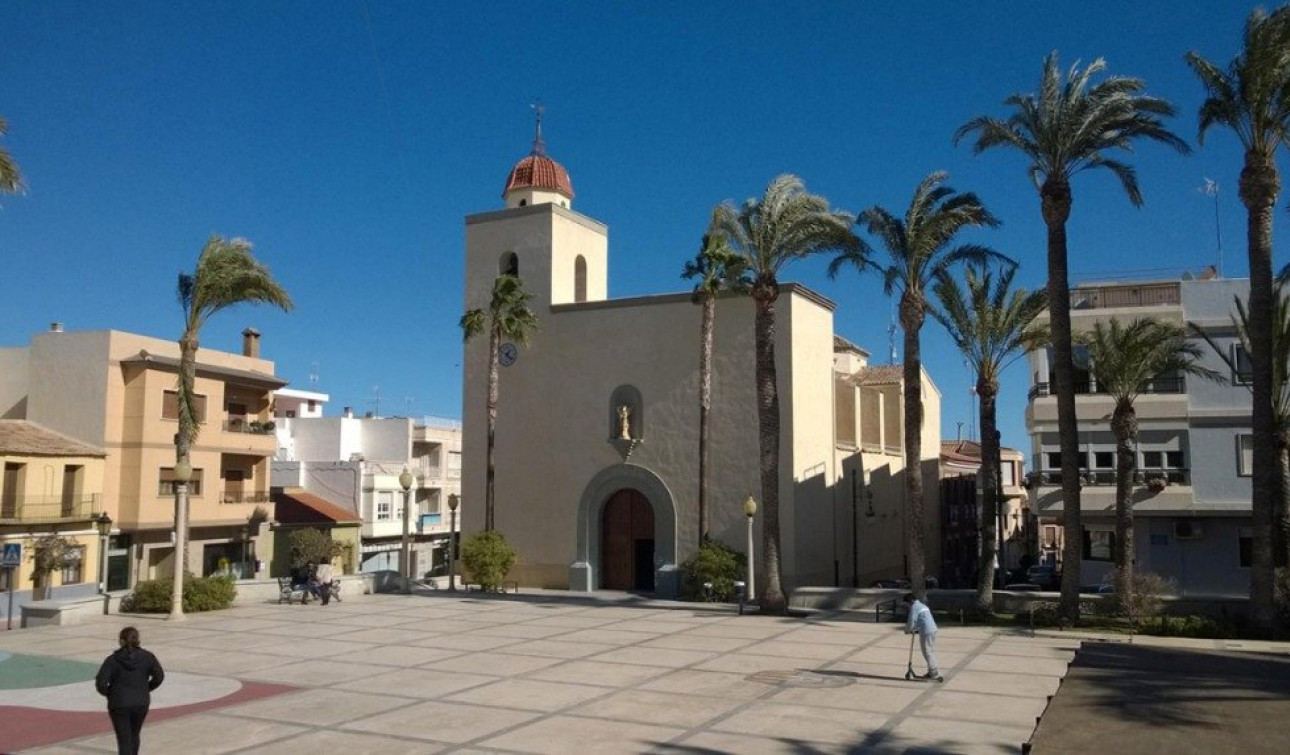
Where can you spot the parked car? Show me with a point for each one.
(1047, 577)
(1104, 588)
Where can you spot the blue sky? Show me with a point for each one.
(348, 141)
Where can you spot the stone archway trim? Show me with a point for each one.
(606, 482)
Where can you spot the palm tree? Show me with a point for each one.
(1252, 98)
(919, 248)
(992, 325)
(226, 274)
(717, 269)
(10, 178)
(1064, 129)
(1124, 359)
(1280, 399)
(508, 318)
(786, 224)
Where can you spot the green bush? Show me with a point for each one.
(714, 562)
(488, 558)
(1200, 627)
(200, 594)
(313, 546)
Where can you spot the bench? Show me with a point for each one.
(890, 607)
(289, 592)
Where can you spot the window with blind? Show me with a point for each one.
(170, 406)
(166, 482)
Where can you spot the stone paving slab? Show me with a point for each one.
(557, 673)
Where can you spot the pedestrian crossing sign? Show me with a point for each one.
(11, 556)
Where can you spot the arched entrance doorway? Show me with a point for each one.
(627, 542)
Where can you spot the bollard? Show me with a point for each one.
(741, 592)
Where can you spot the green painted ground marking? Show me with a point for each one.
(30, 671)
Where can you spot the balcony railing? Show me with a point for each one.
(251, 427)
(37, 509)
(1109, 297)
(1159, 385)
(243, 496)
(1106, 477)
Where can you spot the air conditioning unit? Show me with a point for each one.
(1185, 529)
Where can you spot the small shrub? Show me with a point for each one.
(1199, 627)
(200, 594)
(488, 558)
(1141, 597)
(714, 562)
(1046, 615)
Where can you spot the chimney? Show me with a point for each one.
(348, 413)
(251, 343)
(55, 327)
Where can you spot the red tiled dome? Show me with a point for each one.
(537, 171)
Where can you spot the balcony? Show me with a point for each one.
(244, 496)
(1117, 297)
(48, 509)
(1169, 385)
(1106, 477)
(250, 427)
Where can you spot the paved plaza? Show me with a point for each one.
(543, 673)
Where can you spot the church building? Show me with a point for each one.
(597, 441)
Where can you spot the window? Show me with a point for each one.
(1174, 459)
(1099, 545)
(509, 265)
(1244, 374)
(170, 406)
(1245, 547)
(1153, 459)
(1244, 455)
(74, 569)
(384, 507)
(166, 484)
(1050, 537)
(1054, 459)
(1103, 459)
(580, 279)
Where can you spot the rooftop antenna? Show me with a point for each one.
(539, 146)
(891, 337)
(313, 373)
(407, 405)
(376, 401)
(959, 438)
(1210, 188)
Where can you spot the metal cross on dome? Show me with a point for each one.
(539, 146)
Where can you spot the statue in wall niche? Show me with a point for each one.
(624, 422)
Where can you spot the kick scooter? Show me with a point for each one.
(910, 676)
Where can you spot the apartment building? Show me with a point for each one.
(53, 485)
(355, 463)
(115, 391)
(960, 514)
(1192, 493)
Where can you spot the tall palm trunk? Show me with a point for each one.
(705, 407)
(1281, 557)
(772, 591)
(494, 345)
(911, 320)
(1124, 426)
(1259, 187)
(187, 375)
(988, 479)
(1055, 202)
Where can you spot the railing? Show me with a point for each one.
(37, 509)
(1163, 385)
(1109, 297)
(1106, 477)
(243, 496)
(250, 427)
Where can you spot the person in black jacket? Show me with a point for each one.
(127, 679)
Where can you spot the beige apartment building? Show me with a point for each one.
(116, 391)
(597, 442)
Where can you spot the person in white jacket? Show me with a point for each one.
(920, 622)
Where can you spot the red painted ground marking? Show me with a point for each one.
(22, 728)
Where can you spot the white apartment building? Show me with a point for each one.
(1192, 495)
(355, 462)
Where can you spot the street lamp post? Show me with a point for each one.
(750, 510)
(104, 524)
(405, 555)
(183, 473)
(453, 501)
